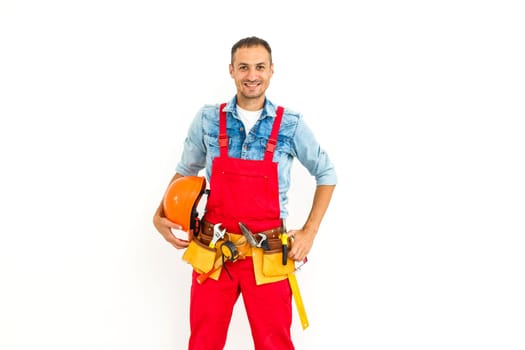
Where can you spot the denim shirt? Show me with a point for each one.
(295, 140)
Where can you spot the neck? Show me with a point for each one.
(250, 104)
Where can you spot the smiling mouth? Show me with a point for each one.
(252, 83)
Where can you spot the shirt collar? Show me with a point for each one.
(269, 109)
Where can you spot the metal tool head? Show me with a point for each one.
(263, 239)
(217, 234)
(217, 230)
(248, 235)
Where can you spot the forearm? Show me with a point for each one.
(322, 197)
(304, 238)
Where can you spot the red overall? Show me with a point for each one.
(247, 191)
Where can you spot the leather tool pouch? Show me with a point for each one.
(272, 261)
(201, 257)
(272, 265)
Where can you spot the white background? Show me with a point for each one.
(419, 103)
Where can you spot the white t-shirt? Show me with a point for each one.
(249, 118)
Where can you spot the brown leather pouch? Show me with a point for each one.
(200, 256)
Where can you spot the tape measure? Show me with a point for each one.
(298, 300)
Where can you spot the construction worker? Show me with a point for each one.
(246, 147)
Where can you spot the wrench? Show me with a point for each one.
(263, 242)
(217, 234)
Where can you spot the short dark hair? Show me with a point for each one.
(250, 42)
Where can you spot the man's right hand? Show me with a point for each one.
(164, 227)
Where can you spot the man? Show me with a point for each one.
(246, 147)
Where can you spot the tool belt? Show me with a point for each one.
(274, 242)
(268, 265)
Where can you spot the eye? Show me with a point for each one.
(243, 68)
(261, 67)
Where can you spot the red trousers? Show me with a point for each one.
(268, 306)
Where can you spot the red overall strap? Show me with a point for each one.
(223, 136)
(272, 140)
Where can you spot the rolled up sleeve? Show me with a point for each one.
(312, 156)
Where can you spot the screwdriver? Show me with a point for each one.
(284, 243)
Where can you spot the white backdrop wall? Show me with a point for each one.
(420, 105)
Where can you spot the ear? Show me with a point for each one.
(231, 70)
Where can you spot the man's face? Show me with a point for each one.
(251, 70)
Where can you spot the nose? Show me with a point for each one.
(252, 73)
